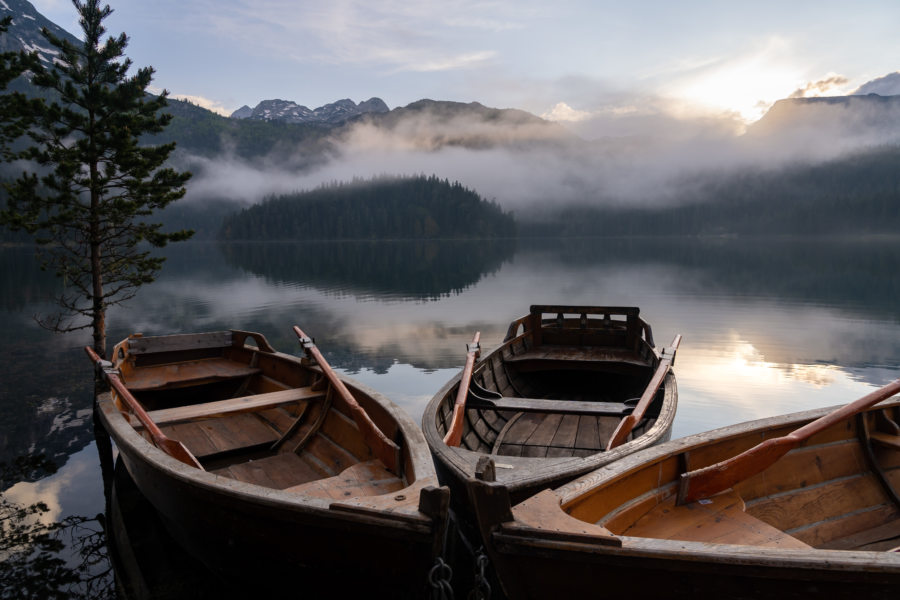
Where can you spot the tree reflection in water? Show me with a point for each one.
(49, 559)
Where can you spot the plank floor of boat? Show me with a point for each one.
(555, 435)
(289, 472)
(717, 520)
(223, 434)
(279, 471)
(368, 478)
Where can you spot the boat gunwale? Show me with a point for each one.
(650, 457)
(135, 447)
(514, 535)
(463, 461)
(517, 537)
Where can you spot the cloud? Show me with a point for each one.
(395, 36)
(638, 150)
(564, 112)
(213, 105)
(447, 63)
(829, 86)
(889, 85)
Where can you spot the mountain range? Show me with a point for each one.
(278, 137)
(291, 112)
(431, 124)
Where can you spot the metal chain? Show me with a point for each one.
(439, 578)
(482, 589)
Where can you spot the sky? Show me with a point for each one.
(587, 63)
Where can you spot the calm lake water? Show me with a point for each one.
(770, 327)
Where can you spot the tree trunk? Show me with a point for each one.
(98, 313)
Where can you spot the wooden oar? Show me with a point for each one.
(628, 423)
(454, 432)
(173, 448)
(713, 479)
(385, 449)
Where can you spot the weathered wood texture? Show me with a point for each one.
(254, 403)
(715, 478)
(817, 521)
(546, 401)
(188, 373)
(242, 409)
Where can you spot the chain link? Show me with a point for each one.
(482, 589)
(439, 579)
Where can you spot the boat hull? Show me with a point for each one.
(820, 523)
(276, 540)
(592, 358)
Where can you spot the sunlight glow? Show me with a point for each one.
(748, 89)
(747, 85)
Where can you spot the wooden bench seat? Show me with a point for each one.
(214, 438)
(194, 372)
(718, 520)
(583, 354)
(233, 405)
(885, 439)
(543, 405)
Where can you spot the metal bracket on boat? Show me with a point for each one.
(474, 347)
(306, 343)
(671, 350)
(105, 367)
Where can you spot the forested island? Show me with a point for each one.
(380, 208)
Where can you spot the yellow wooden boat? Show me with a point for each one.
(798, 506)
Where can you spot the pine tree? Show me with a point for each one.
(88, 201)
(14, 116)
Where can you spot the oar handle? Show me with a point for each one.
(705, 482)
(171, 447)
(383, 447)
(662, 369)
(453, 437)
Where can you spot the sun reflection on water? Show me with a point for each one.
(733, 382)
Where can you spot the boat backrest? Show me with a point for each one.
(616, 326)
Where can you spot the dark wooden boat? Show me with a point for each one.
(570, 389)
(273, 469)
(704, 517)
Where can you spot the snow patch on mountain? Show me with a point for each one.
(289, 111)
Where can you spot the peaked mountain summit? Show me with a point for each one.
(291, 112)
(870, 117)
(25, 31)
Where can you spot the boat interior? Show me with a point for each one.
(249, 414)
(559, 385)
(837, 491)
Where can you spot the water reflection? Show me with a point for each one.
(42, 553)
(382, 270)
(770, 326)
(148, 562)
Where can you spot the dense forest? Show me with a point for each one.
(380, 208)
(856, 194)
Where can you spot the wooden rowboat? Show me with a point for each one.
(570, 389)
(704, 517)
(273, 469)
